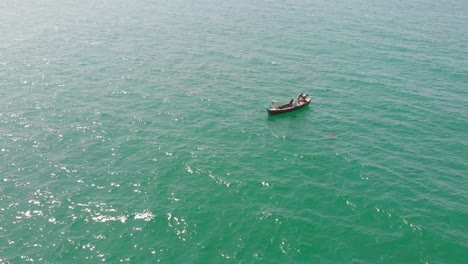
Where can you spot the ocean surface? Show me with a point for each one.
(136, 131)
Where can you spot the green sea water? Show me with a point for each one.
(135, 131)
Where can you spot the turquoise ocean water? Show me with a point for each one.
(135, 131)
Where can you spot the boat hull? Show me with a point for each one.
(277, 111)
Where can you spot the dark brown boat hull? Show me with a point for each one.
(277, 111)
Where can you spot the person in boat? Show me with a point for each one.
(302, 97)
(291, 102)
(294, 104)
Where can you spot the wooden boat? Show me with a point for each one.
(301, 102)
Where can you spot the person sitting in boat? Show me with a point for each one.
(291, 102)
(302, 97)
(294, 104)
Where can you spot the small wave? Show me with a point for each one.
(146, 216)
